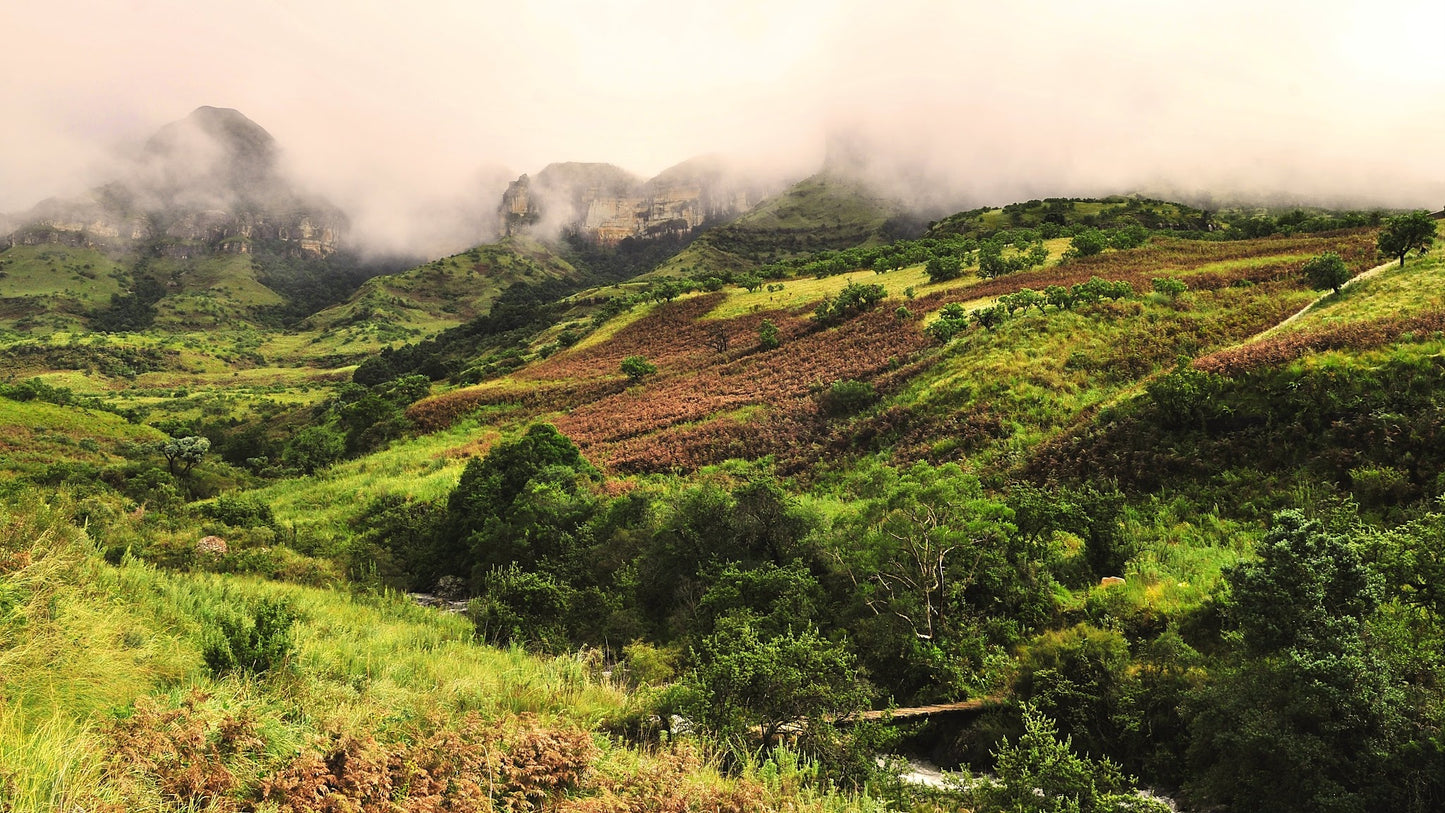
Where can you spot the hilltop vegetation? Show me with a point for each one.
(819, 213)
(1171, 509)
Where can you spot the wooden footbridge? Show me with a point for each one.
(917, 712)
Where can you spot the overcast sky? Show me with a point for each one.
(398, 111)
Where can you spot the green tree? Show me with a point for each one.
(638, 368)
(1087, 243)
(516, 504)
(768, 338)
(184, 452)
(855, 298)
(1305, 718)
(743, 681)
(313, 448)
(1405, 233)
(941, 269)
(937, 564)
(1328, 270)
(1039, 772)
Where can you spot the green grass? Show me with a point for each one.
(80, 641)
(1036, 375)
(91, 654)
(425, 468)
(34, 435)
(1393, 292)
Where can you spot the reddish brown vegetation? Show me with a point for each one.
(695, 411)
(203, 759)
(1282, 349)
(184, 751)
(518, 766)
(1140, 266)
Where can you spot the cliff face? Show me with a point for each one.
(203, 185)
(607, 205)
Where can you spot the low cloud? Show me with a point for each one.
(405, 120)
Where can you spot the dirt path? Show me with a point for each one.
(1377, 270)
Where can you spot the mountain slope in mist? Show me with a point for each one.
(203, 212)
(605, 204)
(825, 211)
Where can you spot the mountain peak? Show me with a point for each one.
(216, 149)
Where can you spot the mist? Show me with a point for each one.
(412, 122)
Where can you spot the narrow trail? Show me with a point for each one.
(1376, 271)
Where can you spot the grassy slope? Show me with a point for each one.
(987, 397)
(51, 287)
(1112, 212)
(34, 435)
(427, 299)
(217, 291)
(821, 212)
(1336, 397)
(106, 701)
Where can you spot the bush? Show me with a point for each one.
(768, 336)
(240, 512)
(638, 368)
(1328, 270)
(942, 269)
(847, 397)
(252, 640)
(1169, 286)
(1087, 243)
(855, 298)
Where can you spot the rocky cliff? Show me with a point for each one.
(607, 204)
(204, 185)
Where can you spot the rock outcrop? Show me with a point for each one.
(607, 205)
(206, 184)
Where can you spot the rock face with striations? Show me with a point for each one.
(607, 205)
(206, 184)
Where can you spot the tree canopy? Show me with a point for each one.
(1405, 233)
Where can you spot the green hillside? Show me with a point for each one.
(1111, 212)
(427, 299)
(1137, 492)
(55, 287)
(819, 213)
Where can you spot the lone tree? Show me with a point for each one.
(1406, 233)
(768, 337)
(185, 453)
(1327, 271)
(638, 368)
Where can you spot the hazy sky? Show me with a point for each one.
(402, 112)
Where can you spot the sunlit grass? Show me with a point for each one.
(425, 468)
(1392, 292)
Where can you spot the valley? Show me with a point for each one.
(717, 495)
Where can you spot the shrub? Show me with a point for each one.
(855, 298)
(1169, 286)
(253, 640)
(1328, 270)
(240, 512)
(942, 269)
(768, 335)
(847, 397)
(1087, 243)
(638, 368)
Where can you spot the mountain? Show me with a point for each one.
(827, 211)
(437, 295)
(606, 204)
(200, 228)
(207, 184)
